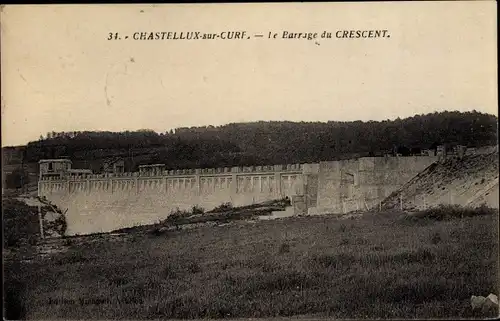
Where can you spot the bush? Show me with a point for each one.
(60, 225)
(20, 223)
(197, 210)
(17, 179)
(223, 207)
(448, 212)
(175, 216)
(286, 201)
(157, 231)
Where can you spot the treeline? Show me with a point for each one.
(266, 143)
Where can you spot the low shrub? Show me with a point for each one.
(175, 216)
(286, 201)
(156, 231)
(59, 225)
(197, 210)
(223, 207)
(448, 212)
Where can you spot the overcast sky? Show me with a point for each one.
(60, 73)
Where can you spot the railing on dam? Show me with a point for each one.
(245, 170)
(213, 186)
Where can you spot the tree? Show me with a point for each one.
(404, 151)
(20, 222)
(17, 179)
(273, 142)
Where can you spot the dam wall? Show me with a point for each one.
(360, 184)
(105, 202)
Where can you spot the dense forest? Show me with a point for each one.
(266, 143)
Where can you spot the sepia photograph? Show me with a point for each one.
(264, 161)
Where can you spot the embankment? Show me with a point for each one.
(468, 181)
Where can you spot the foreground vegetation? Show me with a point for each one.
(21, 223)
(379, 265)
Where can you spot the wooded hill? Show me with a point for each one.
(262, 143)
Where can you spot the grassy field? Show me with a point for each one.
(382, 265)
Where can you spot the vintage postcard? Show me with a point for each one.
(303, 161)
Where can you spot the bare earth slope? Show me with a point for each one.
(471, 181)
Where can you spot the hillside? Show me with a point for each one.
(472, 180)
(262, 143)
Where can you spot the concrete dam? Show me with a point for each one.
(105, 202)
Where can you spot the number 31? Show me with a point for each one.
(112, 36)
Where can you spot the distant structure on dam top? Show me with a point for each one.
(124, 199)
(59, 169)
